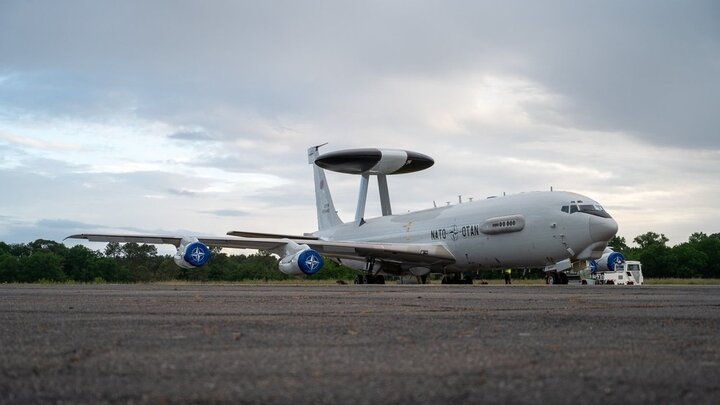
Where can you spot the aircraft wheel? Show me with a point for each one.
(551, 278)
(379, 279)
(359, 279)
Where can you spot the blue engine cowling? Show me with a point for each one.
(607, 262)
(191, 254)
(306, 261)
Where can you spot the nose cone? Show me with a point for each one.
(602, 229)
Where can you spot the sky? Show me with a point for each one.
(194, 117)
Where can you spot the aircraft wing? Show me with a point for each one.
(416, 253)
(213, 241)
(246, 234)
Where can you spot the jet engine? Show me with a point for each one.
(305, 261)
(191, 253)
(607, 261)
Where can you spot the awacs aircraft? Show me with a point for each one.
(532, 229)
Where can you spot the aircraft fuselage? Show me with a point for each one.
(522, 230)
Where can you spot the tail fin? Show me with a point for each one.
(326, 214)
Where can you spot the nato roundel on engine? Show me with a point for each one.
(197, 254)
(593, 266)
(310, 261)
(614, 259)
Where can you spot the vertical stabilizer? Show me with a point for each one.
(326, 214)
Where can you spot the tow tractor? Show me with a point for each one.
(626, 273)
(611, 268)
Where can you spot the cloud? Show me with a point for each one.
(182, 193)
(39, 143)
(64, 224)
(131, 114)
(226, 213)
(196, 136)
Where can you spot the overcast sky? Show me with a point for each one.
(195, 116)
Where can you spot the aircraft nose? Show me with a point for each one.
(602, 229)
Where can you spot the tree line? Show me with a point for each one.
(46, 260)
(699, 257)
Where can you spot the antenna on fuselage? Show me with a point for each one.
(373, 162)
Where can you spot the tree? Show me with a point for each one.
(109, 269)
(41, 266)
(113, 249)
(687, 261)
(709, 247)
(617, 243)
(135, 251)
(9, 268)
(654, 254)
(649, 239)
(79, 263)
(48, 246)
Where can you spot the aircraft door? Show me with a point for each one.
(559, 226)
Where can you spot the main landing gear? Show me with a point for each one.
(370, 276)
(457, 278)
(369, 279)
(556, 278)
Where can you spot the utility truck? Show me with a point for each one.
(626, 273)
(611, 268)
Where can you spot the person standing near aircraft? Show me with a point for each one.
(508, 273)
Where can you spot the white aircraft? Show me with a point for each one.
(534, 229)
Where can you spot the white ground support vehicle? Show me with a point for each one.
(611, 269)
(626, 273)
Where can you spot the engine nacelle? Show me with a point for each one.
(306, 261)
(607, 261)
(191, 254)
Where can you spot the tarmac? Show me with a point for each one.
(279, 344)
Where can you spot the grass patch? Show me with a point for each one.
(682, 281)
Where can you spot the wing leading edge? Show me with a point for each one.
(412, 253)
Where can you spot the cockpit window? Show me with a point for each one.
(579, 206)
(593, 209)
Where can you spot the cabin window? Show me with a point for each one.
(573, 208)
(564, 208)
